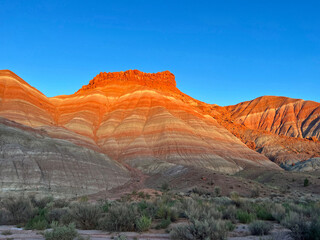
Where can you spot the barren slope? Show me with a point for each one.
(279, 115)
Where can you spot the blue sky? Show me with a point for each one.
(221, 52)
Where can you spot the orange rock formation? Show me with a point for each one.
(134, 117)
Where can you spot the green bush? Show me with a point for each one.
(263, 212)
(163, 224)
(165, 212)
(143, 224)
(105, 206)
(306, 182)
(207, 229)
(20, 209)
(260, 228)
(230, 226)
(38, 223)
(245, 217)
(61, 232)
(147, 209)
(120, 218)
(86, 215)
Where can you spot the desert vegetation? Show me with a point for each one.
(198, 214)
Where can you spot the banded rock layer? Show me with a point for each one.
(137, 119)
(280, 115)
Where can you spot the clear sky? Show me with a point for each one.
(221, 52)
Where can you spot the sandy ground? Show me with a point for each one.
(240, 233)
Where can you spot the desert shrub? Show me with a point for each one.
(217, 191)
(39, 221)
(201, 191)
(143, 224)
(163, 224)
(20, 209)
(83, 199)
(38, 224)
(6, 232)
(41, 202)
(225, 201)
(235, 198)
(86, 215)
(260, 228)
(105, 206)
(5, 217)
(141, 195)
(263, 211)
(120, 218)
(306, 210)
(306, 182)
(201, 210)
(207, 229)
(255, 192)
(165, 187)
(245, 217)
(297, 224)
(229, 213)
(247, 205)
(60, 203)
(278, 212)
(61, 232)
(166, 212)
(302, 228)
(204, 222)
(314, 231)
(230, 226)
(56, 214)
(121, 237)
(147, 209)
(67, 218)
(167, 199)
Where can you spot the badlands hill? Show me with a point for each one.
(123, 127)
(280, 115)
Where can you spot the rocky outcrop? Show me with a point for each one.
(161, 80)
(309, 165)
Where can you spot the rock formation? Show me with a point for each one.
(125, 124)
(279, 115)
(132, 119)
